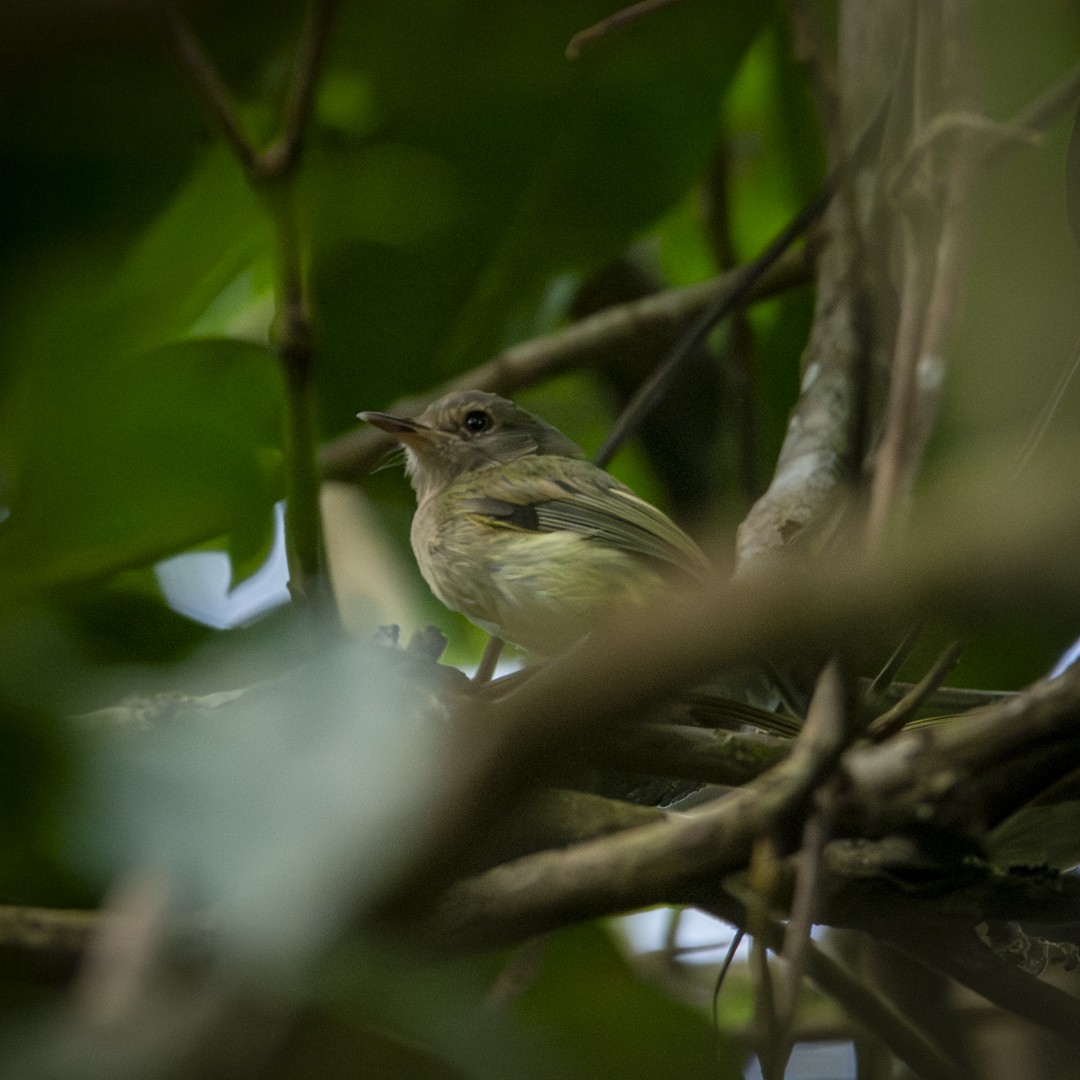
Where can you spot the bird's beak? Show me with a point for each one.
(407, 431)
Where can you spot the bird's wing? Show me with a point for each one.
(587, 501)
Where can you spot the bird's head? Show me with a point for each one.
(465, 431)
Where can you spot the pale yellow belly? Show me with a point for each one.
(540, 591)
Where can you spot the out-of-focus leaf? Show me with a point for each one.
(212, 232)
(484, 161)
(581, 1013)
(341, 1048)
(127, 621)
(608, 1022)
(281, 805)
(775, 157)
(119, 460)
(248, 547)
(34, 768)
(95, 126)
(442, 1009)
(1038, 835)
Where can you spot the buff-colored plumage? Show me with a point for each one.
(519, 533)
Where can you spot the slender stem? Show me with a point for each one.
(211, 87)
(861, 1001)
(933, 270)
(281, 156)
(740, 357)
(891, 721)
(489, 661)
(584, 38)
(296, 350)
(271, 174)
(744, 280)
(658, 319)
(887, 675)
(804, 906)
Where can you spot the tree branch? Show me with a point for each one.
(270, 172)
(211, 88)
(653, 322)
(861, 1002)
(281, 156)
(740, 288)
(584, 39)
(950, 776)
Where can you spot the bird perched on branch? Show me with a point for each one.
(515, 530)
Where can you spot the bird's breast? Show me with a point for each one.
(540, 590)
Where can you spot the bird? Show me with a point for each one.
(521, 534)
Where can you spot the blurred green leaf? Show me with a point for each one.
(483, 162)
(116, 461)
(212, 233)
(1038, 835)
(581, 1012)
(1072, 177)
(125, 620)
(281, 805)
(35, 767)
(609, 1022)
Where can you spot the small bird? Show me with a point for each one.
(515, 530)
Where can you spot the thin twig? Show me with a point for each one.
(887, 675)
(803, 916)
(891, 721)
(657, 320)
(763, 875)
(932, 284)
(725, 967)
(1037, 116)
(830, 708)
(740, 356)
(1046, 413)
(929, 297)
(736, 294)
(488, 661)
(956, 951)
(584, 38)
(861, 1001)
(281, 156)
(211, 87)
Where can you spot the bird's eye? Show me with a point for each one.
(476, 421)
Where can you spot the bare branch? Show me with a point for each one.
(892, 720)
(281, 156)
(632, 868)
(690, 753)
(824, 437)
(583, 39)
(741, 286)
(949, 775)
(653, 322)
(211, 87)
(861, 1001)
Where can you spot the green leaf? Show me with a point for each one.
(34, 767)
(117, 461)
(482, 162)
(282, 804)
(609, 1022)
(212, 235)
(126, 620)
